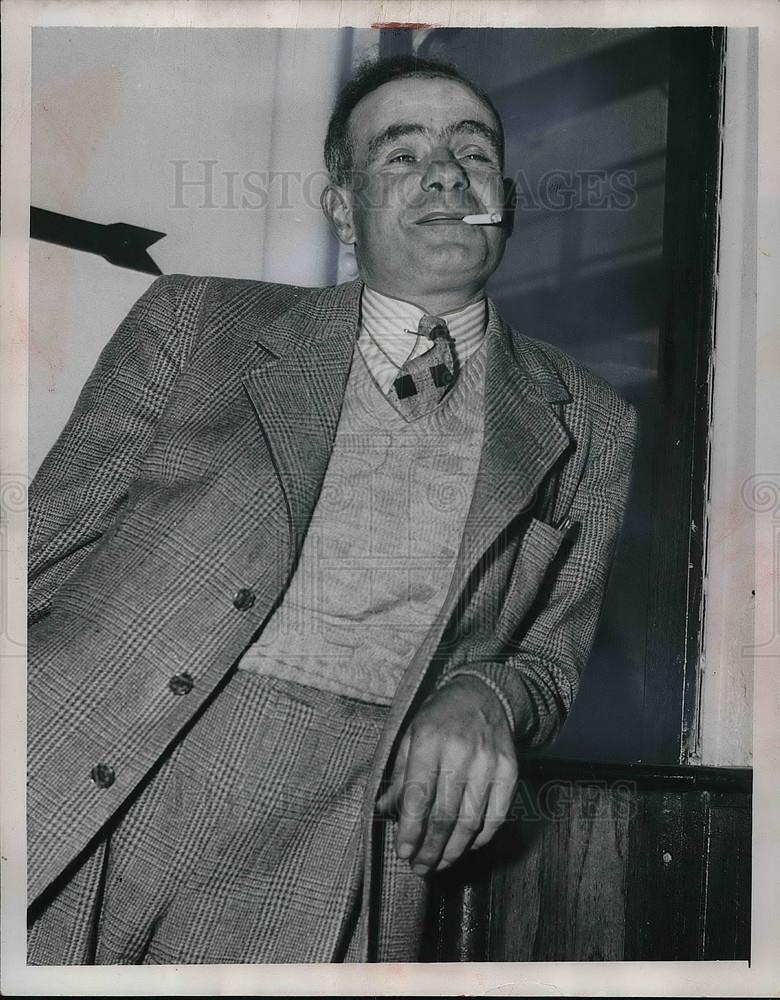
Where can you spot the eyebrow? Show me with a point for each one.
(401, 129)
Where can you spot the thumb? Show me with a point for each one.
(388, 801)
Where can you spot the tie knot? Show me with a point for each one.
(433, 327)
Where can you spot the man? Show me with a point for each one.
(307, 565)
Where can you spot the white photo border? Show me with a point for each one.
(760, 977)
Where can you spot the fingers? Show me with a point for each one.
(417, 794)
(484, 804)
(502, 792)
(470, 798)
(442, 818)
(469, 822)
(453, 778)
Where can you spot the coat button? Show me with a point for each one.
(181, 683)
(244, 599)
(103, 775)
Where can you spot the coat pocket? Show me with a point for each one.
(538, 548)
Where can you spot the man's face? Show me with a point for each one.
(425, 153)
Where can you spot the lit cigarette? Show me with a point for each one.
(491, 219)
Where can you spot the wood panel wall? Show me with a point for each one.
(654, 865)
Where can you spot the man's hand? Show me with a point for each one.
(454, 775)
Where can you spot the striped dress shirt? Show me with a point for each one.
(388, 333)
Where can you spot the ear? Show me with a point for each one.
(336, 203)
(510, 204)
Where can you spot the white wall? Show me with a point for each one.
(726, 707)
(112, 109)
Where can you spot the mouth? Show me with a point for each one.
(440, 219)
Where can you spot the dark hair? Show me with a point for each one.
(369, 77)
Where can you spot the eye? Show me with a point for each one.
(475, 156)
(402, 157)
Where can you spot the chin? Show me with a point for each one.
(454, 256)
(461, 268)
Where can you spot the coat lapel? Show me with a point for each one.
(523, 438)
(297, 392)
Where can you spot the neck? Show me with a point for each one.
(434, 303)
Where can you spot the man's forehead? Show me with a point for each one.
(436, 103)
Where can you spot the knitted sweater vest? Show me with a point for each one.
(381, 547)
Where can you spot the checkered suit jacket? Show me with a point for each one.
(188, 471)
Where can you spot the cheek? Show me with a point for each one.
(382, 192)
(374, 233)
(489, 186)
(374, 210)
(378, 217)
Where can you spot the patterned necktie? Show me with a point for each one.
(422, 383)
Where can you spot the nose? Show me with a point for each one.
(444, 173)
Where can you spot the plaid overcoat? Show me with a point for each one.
(187, 474)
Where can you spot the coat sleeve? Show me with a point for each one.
(538, 679)
(83, 481)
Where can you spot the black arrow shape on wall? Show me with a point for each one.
(118, 242)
